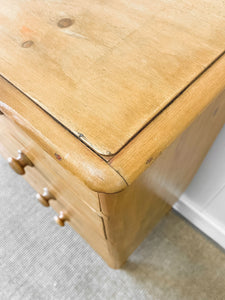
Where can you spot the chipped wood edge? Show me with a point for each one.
(145, 147)
(58, 142)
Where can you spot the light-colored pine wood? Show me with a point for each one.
(109, 68)
(87, 221)
(142, 151)
(104, 70)
(98, 243)
(13, 139)
(60, 177)
(45, 197)
(67, 190)
(132, 213)
(127, 217)
(54, 139)
(19, 163)
(61, 218)
(94, 235)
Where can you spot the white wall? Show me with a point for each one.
(203, 203)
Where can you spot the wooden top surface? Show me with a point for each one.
(105, 69)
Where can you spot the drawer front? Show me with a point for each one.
(51, 169)
(45, 175)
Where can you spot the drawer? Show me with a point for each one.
(44, 174)
(53, 170)
(47, 164)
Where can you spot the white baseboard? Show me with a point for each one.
(201, 220)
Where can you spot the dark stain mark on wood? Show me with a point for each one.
(57, 156)
(149, 160)
(66, 22)
(27, 44)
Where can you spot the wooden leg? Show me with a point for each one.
(130, 215)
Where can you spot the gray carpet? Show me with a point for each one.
(39, 260)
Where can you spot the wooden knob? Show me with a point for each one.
(18, 164)
(61, 218)
(45, 197)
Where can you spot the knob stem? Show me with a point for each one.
(61, 218)
(45, 197)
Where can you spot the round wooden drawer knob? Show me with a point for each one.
(18, 164)
(61, 218)
(45, 197)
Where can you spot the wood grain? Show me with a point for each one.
(60, 144)
(142, 151)
(93, 234)
(67, 190)
(13, 139)
(132, 213)
(86, 221)
(129, 216)
(61, 178)
(111, 66)
(101, 95)
(125, 218)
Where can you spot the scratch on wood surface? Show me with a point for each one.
(67, 155)
(75, 34)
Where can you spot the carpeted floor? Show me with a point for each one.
(39, 260)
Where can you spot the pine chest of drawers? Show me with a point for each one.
(108, 108)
